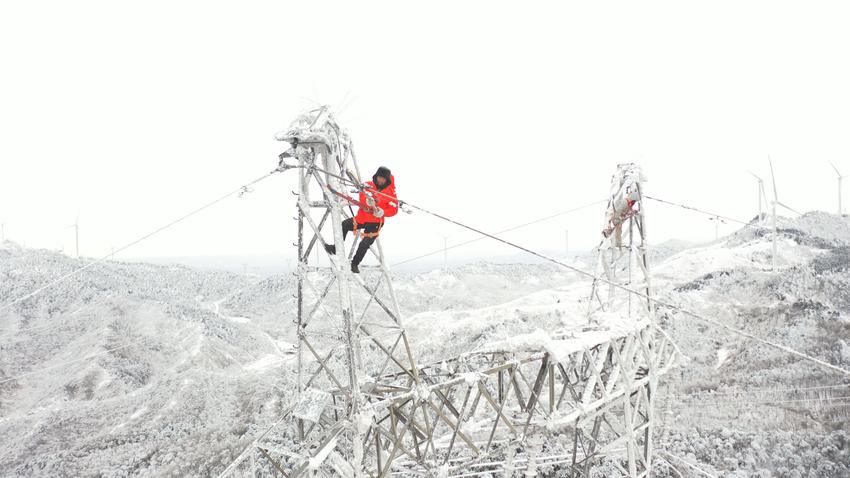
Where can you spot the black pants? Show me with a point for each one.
(365, 242)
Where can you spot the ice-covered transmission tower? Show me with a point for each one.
(363, 406)
(352, 350)
(622, 252)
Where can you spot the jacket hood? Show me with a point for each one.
(382, 172)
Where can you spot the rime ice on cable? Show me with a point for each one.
(555, 403)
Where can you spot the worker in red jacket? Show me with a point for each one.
(377, 202)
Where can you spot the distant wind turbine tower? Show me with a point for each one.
(774, 204)
(77, 236)
(761, 196)
(773, 208)
(840, 178)
(76, 226)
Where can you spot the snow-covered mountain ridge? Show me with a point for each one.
(137, 369)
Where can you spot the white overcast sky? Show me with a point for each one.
(493, 113)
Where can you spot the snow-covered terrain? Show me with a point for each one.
(138, 369)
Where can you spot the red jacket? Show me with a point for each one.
(384, 199)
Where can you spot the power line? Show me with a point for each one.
(81, 359)
(687, 312)
(236, 461)
(542, 219)
(689, 464)
(492, 236)
(70, 319)
(757, 391)
(643, 295)
(65, 322)
(125, 345)
(714, 413)
(61, 364)
(715, 403)
(670, 465)
(691, 208)
(89, 305)
(76, 271)
(513, 228)
(627, 289)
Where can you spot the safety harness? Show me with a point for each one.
(367, 234)
(357, 203)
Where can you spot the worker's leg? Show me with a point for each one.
(365, 244)
(347, 225)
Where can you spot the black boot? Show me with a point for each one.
(330, 248)
(354, 268)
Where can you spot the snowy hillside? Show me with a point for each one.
(163, 369)
(744, 409)
(137, 369)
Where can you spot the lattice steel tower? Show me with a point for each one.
(360, 352)
(364, 406)
(622, 252)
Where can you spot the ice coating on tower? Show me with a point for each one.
(624, 202)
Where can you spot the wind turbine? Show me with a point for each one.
(761, 195)
(77, 235)
(717, 222)
(840, 177)
(76, 226)
(774, 204)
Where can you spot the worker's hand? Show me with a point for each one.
(378, 212)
